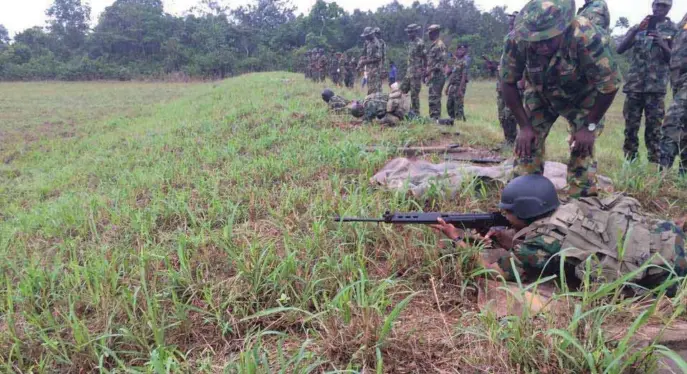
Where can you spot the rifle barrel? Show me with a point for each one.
(356, 219)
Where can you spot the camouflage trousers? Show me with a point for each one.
(653, 106)
(414, 86)
(676, 260)
(374, 81)
(436, 87)
(336, 78)
(349, 79)
(582, 180)
(674, 130)
(455, 102)
(507, 119)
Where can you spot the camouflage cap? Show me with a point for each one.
(544, 19)
(376, 30)
(366, 32)
(665, 2)
(433, 28)
(413, 27)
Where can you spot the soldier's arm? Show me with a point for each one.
(512, 68)
(599, 66)
(532, 256)
(628, 41)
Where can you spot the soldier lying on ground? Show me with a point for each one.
(337, 104)
(544, 231)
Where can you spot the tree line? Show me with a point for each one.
(135, 39)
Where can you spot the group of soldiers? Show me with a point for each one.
(337, 66)
(557, 62)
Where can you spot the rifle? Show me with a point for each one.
(475, 221)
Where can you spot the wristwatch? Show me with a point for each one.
(591, 127)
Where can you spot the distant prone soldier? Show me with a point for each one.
(337, 104)
(386, 109)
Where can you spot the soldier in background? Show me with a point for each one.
(349, 75)
(646, 82)
(570, 73)
(417, 63)
(306, 64)
(674, 131)
(322, 63)
(457, 82)
(335, 68)
(378, 34)
(436, 62)
(372, 61)
(597, 12)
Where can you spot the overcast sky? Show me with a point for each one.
(18, 15)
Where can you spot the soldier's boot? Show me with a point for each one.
(446, 121)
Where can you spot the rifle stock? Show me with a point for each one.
(475, 221)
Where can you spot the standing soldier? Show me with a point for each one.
(335, 68)
(597, 12)
(372, 61)
(306, 62)
(417, 63)
(647, 81)
(457, 80)
(314, 72)
(436, 62)
(570, 73)
(506, 117)
(674, 136)
(378, 34)
(322, 63)
(349, 76)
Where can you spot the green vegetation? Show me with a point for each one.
(185, 228)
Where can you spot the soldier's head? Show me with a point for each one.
(661, 8)
(511, 21)
(413, 31)
(528, 198)
(327, 95)
(543, 23)
(434, 31)
(377, 32)
(357, 109)
(462, 50)
(368, 33)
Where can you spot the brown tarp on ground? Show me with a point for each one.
(418, 176)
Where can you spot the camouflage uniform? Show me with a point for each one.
(338, 104)
(455, 100)
(373, 60)
(542, 244)
(335, 70)
(322, 63)
(349, 75)
(436, 61)
(417, 62)
(674, 131)
(306, 65)
(382, 43)
(388, 109)
(582, 69)
(597, 12)
(645, 89)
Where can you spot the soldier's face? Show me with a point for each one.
(660, 10)
(547, 48)
(411, 35)
(460, 52)
(515, 222)
(433, 35)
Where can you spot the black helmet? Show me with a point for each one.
(327, 94)
(357, 109)
(529, 196)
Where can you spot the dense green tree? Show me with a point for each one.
(68, 25)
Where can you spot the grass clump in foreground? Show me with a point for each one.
(195, 236)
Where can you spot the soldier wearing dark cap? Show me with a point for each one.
(570, 72)
(436, 62)
(417, 64)
(646, 82)
(372, 60)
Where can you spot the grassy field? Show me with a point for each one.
(185, 228)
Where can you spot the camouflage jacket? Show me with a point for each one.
(350, 66)
(649, 66)
(596, 232)
(458, 69)
(334, 66)
(436, 57)
(569, 83)
(338, 104)
(322, 63)
(373, 54)
(678, 61)
(375, 106)
(417, 58)
(597, 12)
(382, 44)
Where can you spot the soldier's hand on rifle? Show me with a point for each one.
(645, 23)
(502, 236)
(448, 229)
(527, 138)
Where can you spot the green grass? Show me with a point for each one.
(182, 228)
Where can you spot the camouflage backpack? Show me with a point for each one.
(613, 232)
